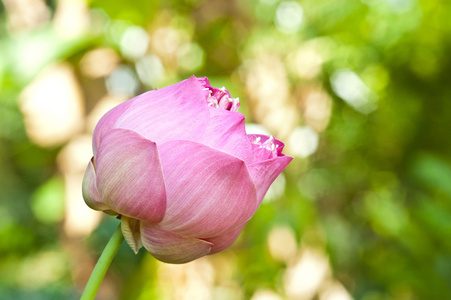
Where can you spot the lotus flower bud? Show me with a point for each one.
(178, 167)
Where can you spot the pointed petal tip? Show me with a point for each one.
(265, 172)
(131, 231)
(224, 241)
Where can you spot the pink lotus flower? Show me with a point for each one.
(179, 168)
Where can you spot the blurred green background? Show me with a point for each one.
(358, 90)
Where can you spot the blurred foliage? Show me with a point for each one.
(374, 197)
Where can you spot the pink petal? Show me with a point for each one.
(89, 189)
(225, 131)
(107, 122)
(179, 111)
(265, 172)
(224, 241)
(129, 176)
(171, 247)
(208, 191)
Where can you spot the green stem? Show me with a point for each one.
(102, 265)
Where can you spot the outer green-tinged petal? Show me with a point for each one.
(171, 247)
(224, 241)
(129, 176)
(208, 191)
(89, 189)
(131, 231)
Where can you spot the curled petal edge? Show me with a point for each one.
(89, 188)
